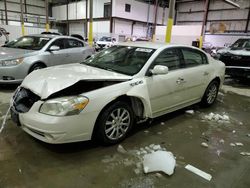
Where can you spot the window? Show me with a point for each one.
(169, 58)
(193, 57)
(59, 43)
(71, 43)
(107, 10)
(127, 7)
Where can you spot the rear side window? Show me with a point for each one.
(169, 58)
(193, 57)
(59, 43)
(71, 43)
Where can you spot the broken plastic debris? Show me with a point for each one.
(199, 172)
(121, 149)
(238, 144)
(162, 123)
(204, 144)
(159, 161)
(20, 170)
(217, 117)
(190, 112)
(222, 141)
(137, 171)
(233, 131)
(232, 144)
(245, 153)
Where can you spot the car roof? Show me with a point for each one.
(146, 44)
(153, 45)
(51, 36)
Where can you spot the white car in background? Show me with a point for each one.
(104, 96)
(105, 42)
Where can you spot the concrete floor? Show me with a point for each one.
(26, 162)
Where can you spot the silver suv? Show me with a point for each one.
(26, 54)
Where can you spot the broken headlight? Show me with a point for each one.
(64, 106)
(12, 62)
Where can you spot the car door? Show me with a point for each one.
(165, 92)
(76, 50)
(196, 73)
(57, 57)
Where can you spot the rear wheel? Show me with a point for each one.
(114, 123)
(210, 94)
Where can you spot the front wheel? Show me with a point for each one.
(210, 94)
(114, 123)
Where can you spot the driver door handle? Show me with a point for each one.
(205, 73)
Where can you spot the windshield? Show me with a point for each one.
(122, 59)
(241, 43)
(28, 42)
(108, 39)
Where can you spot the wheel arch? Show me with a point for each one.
(137, 105)
(35, 63)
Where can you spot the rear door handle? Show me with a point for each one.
(180, 80)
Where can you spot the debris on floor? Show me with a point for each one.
(222, 141)
(204, 144)
(190, 112)
(199, 172)
(233, 131)
(217, 117)
(238, 144)
(159, 133)
(248, 135)
(146, 131)
(232, 144)
(159, 161)
(121, 149)
(245, 153)
(162, 123)
(5, 119)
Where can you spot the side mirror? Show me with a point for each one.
(159, 69)
(54, 48)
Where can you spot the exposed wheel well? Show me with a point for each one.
(135, 102)
(36, 63)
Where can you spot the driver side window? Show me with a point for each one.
(169, 58)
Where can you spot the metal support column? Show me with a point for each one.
(47, 15)
(155, 20)
(90, 38)
(170, 21)
(67, 16)
(248, 20)
(22, 21)
(86, 20)
(204, 23)
(111, 18)
(6, 14)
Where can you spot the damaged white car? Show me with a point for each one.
(107, 94)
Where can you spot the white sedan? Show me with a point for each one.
(106, 95)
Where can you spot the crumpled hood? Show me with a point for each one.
(12, 53)
(47, 81)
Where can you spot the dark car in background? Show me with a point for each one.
(237, 59)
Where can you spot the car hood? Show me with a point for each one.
(234, 52)
(12, 53)
(47, 81)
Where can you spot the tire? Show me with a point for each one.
(210, 94)
(114, 123)
(36, 67)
